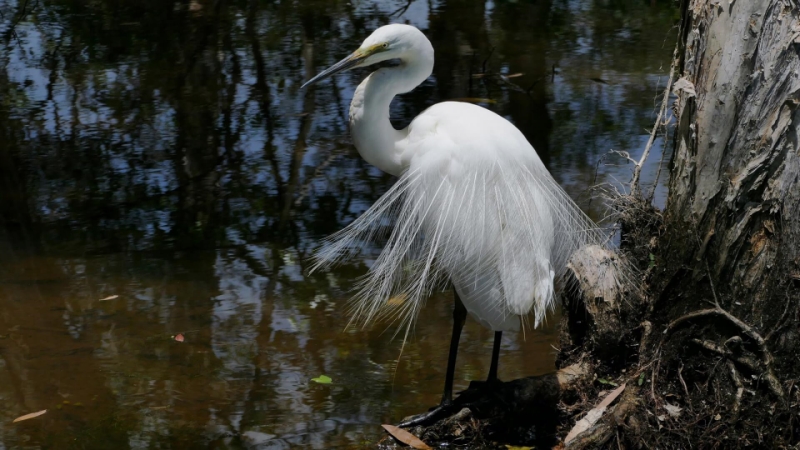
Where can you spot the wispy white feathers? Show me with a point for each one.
(495, 225)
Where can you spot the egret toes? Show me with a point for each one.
(429, 417)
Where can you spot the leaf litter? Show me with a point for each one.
(29, 416)
(406, 437)
(594, 415)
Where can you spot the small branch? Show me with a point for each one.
(710, 278)
(683, 383)
(402, 10)
(691, 316)
(660, 166)
(625, 155)
(637, 170)
(535, 82)
(737, 380)
(653, 376)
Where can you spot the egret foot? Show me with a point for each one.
(469, 398)
(429, 417)
(446, 405)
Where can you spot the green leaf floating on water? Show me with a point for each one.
(322, 379)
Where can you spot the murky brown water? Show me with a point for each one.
(163, 154)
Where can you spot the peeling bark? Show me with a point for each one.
(734, 183)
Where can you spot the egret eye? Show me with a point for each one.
(385, 45)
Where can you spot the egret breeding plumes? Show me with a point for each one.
(474, 206)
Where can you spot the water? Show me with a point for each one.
(161, 153)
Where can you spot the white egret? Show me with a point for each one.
(474, 206)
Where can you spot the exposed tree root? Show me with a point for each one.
(765, 368)
(737, 380)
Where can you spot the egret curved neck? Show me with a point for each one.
(378, 142)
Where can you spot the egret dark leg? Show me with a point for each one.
(498, 337)
(459, 316)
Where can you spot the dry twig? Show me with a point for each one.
(737, 380)
(660, 121)
(685, 388)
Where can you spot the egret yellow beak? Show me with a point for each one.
(356, 58)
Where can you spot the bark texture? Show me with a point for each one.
(734, 192)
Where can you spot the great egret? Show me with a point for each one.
(473, 206)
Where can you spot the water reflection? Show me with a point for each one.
(162, 152)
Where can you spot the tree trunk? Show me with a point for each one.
(733, 212)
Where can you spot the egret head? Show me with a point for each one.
(394, 41)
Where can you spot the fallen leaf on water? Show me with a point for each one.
(179, 337)
(110, 297)
(322, 379)
(514, 447)
(29, 416)
(593, 416)
(406, 437)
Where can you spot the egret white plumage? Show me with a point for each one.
(474, 206)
